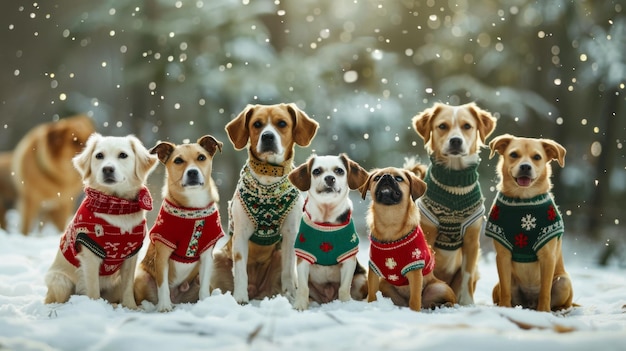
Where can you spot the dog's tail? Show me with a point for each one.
(413, 165)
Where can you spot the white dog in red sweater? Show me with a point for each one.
(97, 255)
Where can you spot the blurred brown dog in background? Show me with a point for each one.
(45, 179)
(7, 188)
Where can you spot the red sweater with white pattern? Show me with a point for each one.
(393, 260)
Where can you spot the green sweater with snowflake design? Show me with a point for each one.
(524, 225)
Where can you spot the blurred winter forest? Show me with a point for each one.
(176, 70)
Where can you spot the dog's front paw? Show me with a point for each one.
(301, 304)
(344, 296)
(289, 289)
(301, 301)
(241, 297)
(204, 294)
(465, 300)
(164, 307)
(131, 304)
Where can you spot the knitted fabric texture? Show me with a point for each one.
(267, 169)
(187, 231)
(393, 260)
(98, 236)
(267, 206)
(326, 244)
(524, 225)
(100, 202)
(453, 201)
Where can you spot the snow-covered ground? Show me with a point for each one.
(219, 323)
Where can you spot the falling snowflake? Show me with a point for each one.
(529, 222)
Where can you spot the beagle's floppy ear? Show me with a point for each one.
(210, 144)
(486, 122)
(554, 150)
(499, 144)
(422, 122)
(144, 160)
(365, 187)
(418, 186)
(300, 177)
(163, 150)
(82, 161)
(356, 174)
(237, 129)
(304, 127)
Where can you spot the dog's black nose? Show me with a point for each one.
(267, 137)
(108, 171)
(456, 142)
(387, 192)
(524, 167)
(193, 178)
(330, 180)
(108, 174)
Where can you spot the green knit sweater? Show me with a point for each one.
(267, 206)
(453, 201)
(326, 244)
(524, 225)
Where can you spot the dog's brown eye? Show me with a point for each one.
(257, 124)
(513, 155)
(339, 171)
(281, 124)
(442, 126)
(122, 155)
(201, 158)
(99, 156)
(316, 172)
(398, 179)
(178, 160)
(376, 178)
(537, 157)
(467, 126)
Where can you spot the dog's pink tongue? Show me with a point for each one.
(523, 181)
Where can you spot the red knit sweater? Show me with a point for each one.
(187, 231)
(393, 260)
(100, 237)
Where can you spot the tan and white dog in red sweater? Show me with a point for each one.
(98, 251)
(186, 229)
